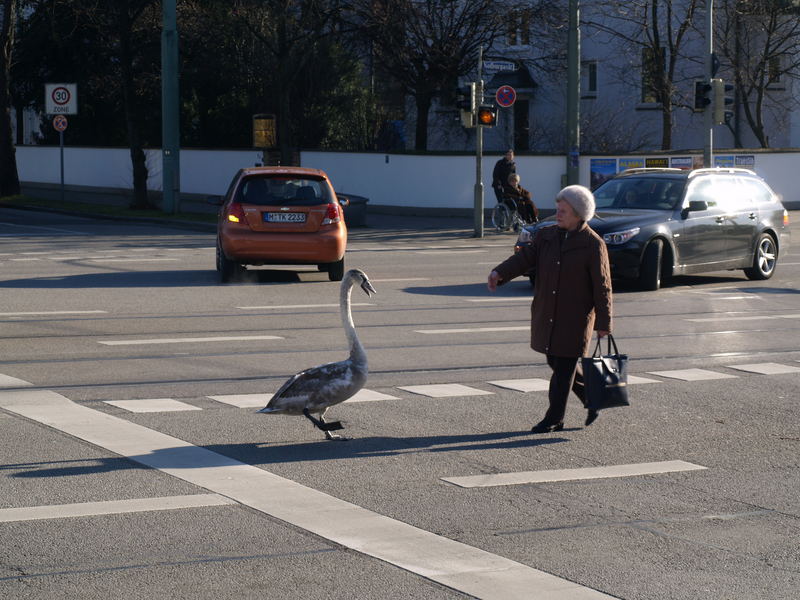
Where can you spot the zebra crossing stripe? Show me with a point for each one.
(456, 565)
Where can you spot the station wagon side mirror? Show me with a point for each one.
(344, 200)
(697, 205)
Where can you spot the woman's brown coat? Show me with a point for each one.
(572, 290)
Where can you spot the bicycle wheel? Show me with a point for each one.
(501, 217)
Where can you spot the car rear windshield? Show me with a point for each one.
(652, 193)
(283, 190)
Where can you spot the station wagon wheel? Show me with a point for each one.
(765, 258)
(227, 269)
(650, 269)
(336, 270)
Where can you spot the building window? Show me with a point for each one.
(589, 79)
(774, 71)
(653, 65)
(519, 27)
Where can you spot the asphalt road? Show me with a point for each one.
(134, 464)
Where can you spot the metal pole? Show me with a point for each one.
(573, 92)
(61, 146)
(170, 111)
(708, 121)
(478, 150)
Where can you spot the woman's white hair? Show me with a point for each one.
(581, 200)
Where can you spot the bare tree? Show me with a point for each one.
(425, 45)
(759, 41)
(9, 177)
(653, 33)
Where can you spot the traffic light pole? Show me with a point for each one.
(708, 121)
(573, 93)
(170, 112)
(477, 101)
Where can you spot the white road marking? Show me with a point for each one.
(446, 251)
(454, 564)
(747, 318)
(399, 279)
(52, 312)
(292, 306)
(112, 507)
(244, 400)
(766, 368)
(472, 330)
(365, 395)
(523, 385)
(23, 259)
(125, 260)
(150, 405)
(7, 381)
(498, 479)
(444, 390)
(692, 374)
(233, 338)
(527, 300)
(38, 227)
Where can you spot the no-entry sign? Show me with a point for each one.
(61, 98)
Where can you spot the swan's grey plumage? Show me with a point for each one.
(318, 388)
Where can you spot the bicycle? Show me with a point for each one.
(505, 216)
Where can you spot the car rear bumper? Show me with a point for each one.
(248, 247)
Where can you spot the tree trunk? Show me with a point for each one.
(423, 108)
(9, 178)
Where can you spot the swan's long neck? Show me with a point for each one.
(357, 354)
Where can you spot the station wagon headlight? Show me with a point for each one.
(525, 236)
(620, 237)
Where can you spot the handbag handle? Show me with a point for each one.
(598, 350)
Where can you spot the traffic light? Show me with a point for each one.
(701, 95)
(487, 116)
(465, 101)
(721, 100)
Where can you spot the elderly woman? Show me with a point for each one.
(521, 198)
(572, 296)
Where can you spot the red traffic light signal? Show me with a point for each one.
(487, 116)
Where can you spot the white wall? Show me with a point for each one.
(410, 181)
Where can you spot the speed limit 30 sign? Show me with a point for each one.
(61, 98)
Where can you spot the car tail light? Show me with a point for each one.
(235, 212)
(332, 215)
(785, 217)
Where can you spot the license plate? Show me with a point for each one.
(287, 217)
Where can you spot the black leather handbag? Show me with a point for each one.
(605, 377)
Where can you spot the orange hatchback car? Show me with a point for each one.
(281, 216)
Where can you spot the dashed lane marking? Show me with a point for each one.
(151, 405)
(692, 374)
(293, 306)
(453, 564)
(523, 385)
(472, 330)
(46, 313)
(766, 368)
(111, 507)
(445, 390)
(7, 381)
(232, 338)
(498, 479)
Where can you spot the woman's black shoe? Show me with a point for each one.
(543, 427)
(592, 416)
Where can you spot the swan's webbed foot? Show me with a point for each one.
(325, 426)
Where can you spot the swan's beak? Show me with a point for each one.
(367, 287)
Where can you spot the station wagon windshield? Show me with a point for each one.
(648, 193)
